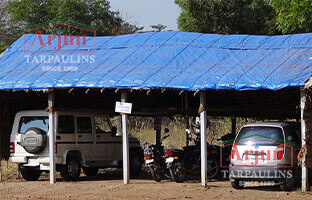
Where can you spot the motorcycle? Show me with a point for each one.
(154, 157)
(186, 162)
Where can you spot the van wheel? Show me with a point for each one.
(30, 175)
(135, 165)
(71, 171)
(90, 171)
(213, 168)
(238, 184)
(287, 185)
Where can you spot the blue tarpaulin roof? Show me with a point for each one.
(175, 60)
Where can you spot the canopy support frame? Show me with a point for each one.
(51, 103)
(203, 139)
(125, 142)
(304, 171)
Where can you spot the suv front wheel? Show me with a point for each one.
(135, 165)
(71, 171)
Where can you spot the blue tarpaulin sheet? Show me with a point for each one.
(172, 60)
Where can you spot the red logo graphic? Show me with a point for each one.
(248, 152)
(84, 40)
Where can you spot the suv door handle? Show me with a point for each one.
(79, 136)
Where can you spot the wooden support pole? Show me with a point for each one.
(304, 172)
(187, 120)
(233, 119)
(52, 138)
(157, 128)
(125, 142)
(203, 140)
(0, 170)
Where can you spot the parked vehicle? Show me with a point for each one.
(84, 140)
(154, 156)
(226, 149)
(186, 162)
(266, 152)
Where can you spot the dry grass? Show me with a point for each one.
(176, 139)
(9, 171)
(216, 129)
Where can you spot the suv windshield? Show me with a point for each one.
(28, 122)
(260, 135)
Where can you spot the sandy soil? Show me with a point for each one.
(110, 186)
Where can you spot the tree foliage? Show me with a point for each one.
(8, 32)
(95, 13)
(293, 16)
(227, 16)
(158, 27)
(2, 47)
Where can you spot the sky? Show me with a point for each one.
(148, 12)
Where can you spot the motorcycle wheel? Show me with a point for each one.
(155, 174)
(177, 172)
(213, 168)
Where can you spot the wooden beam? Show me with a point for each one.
(218, 111)
(125, 142)
(52, 137)
(203, 139)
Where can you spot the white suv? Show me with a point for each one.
(84, 140)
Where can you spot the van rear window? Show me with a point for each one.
(260, 135)
(29, 122)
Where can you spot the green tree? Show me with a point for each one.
(293, 16)
(227, 16)
(2, 47)
(8, 32)
(95, 13)
(158, 27)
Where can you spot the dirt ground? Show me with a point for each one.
(110, 186)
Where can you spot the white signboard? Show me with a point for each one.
(123, 107)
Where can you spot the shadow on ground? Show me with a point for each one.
(116, 174)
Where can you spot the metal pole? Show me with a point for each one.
(125, 142)
(203, 140)
(304, 173)
(51, 138)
